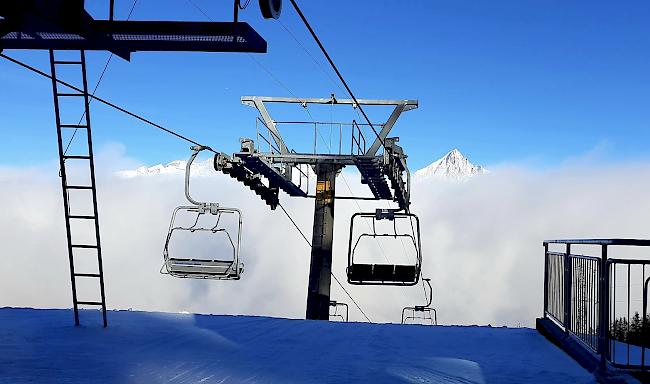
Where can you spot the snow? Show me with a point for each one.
(454, 165)
(176, 167)
(143, 347)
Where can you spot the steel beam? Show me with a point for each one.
(256, 102)
(320, 270)
(132, 36)
(304, 158)
(385, 130)
(408, 104)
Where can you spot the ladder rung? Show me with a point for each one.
(69, 94)
(86, 217)
(73, 126)
(67, 62)
(87, 275)
(78, 187)
(90, 303)
(76, 157)
(83, 246)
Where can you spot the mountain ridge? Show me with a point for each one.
(454, 165)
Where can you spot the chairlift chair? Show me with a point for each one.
(336, 315)
(384, 274)
(195, 267)
(421, 312)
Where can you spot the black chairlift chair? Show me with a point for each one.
(202, 268)
(421, 312)
(384, 274)
(336, 314)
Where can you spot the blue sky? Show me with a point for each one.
(503, 81)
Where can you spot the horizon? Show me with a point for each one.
(423, 191)
(533, 92)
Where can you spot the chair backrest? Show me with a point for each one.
(364, 273)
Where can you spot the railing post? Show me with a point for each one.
(567, 289)
(545, 279)
(603, 310)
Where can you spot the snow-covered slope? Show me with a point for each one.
(453, 165)
(43, 346)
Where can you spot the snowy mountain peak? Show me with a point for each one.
(453, 165)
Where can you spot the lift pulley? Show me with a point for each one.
(204, 218)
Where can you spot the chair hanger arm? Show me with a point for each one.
(195, 152)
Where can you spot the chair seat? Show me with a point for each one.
(383, 273)
(202, 267)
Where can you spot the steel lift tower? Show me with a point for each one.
(382, 165)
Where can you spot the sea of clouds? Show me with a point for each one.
(482, 240)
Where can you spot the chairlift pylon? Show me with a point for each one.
(422, 312)
(202, 268)
(384, 274)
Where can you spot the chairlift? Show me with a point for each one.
(203, 268)
(384, 274)
(343, 314)
(421, 312)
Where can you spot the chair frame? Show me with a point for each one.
(231, 270)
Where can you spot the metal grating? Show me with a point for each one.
(132, 36)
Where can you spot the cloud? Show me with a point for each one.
(482, 240)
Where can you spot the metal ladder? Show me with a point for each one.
(84, 124)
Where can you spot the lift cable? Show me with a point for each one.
(329, 147)
(338, 73)
(277, 80)
(105, 102)
(182, 137)
(251, 56)
(101, 77)
(331, 273)
(304, 48)
(84, 113)
(192, 3)
(293, 36)
(147, 121)
(309, 113)
(242, 7)
(318, 64)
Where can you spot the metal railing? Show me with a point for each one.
(572, 301)
(329, 137)
(299, 173)
(586, 303)
(358, 145)
(629, 325)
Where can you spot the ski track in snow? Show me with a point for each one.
(44, 346)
